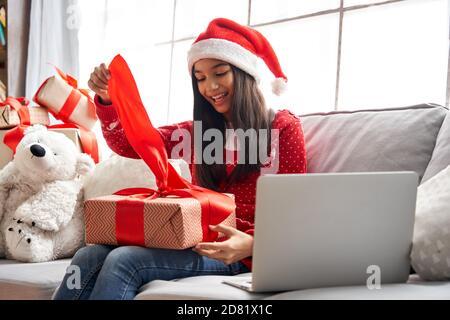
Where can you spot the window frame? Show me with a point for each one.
(341, 10)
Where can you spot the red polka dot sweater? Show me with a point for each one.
(288, 151)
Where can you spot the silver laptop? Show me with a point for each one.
(335, 229)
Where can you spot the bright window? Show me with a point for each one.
(264, 11)
(394, 63)
(366, 54)
(192, 16)
(349, 3)
(309, 61)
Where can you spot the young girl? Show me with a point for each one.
(223, 66)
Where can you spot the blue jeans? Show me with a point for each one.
(117, 273)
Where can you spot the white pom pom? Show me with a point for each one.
(279, 86)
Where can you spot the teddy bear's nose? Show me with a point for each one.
(37, 150)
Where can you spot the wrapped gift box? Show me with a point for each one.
(6, 154)
(66, 102)
(168, 222)
(9, 117)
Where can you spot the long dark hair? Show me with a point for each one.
(249, 111)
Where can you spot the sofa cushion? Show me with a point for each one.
(415, 289)
(372, 140)
(30, 281)
(430, 255)
(196, 288)
(441, 154)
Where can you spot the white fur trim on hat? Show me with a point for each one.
(227, 51)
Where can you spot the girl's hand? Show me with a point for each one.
(98, 82)
(238, 246)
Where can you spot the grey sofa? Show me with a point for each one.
(413, 138)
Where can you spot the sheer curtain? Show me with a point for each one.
(18, 29)
(53, 41)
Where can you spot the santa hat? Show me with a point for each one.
(240, 46)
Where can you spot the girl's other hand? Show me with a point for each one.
(238, 246)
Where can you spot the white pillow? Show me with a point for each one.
(430, 255)
(118, 173)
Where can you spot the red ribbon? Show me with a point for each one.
(130, 222)
(148, 144)
(72, 101)
(69, 105)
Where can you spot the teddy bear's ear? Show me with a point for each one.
(35, 128)
(85, 164)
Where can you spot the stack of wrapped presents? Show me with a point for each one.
(176, 215)
(60, 96)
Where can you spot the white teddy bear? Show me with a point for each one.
(41, 198)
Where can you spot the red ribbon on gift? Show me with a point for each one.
(72, 100)
(13, 136)
(148, 144)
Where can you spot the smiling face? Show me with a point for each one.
(215, 83)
